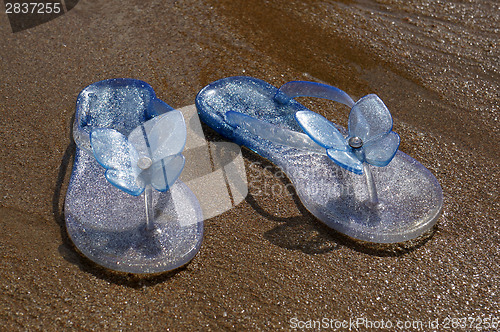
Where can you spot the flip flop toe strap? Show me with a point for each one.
(288, 91)
(265, 130)
(295, 89)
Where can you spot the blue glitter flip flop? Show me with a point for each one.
(128, 142)
(355, 181)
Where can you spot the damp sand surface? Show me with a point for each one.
(267, 263)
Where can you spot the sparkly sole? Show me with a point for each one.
(108, 225)
(410, 196)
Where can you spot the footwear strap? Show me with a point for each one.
(295, 89)
(273, 133)
(284, 95)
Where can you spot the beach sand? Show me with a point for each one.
(267, 263)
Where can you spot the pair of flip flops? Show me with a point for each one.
(128, 142)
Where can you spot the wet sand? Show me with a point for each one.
(267, 261)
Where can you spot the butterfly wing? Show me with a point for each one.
(161, 139)
(379, 152)
(139, 140)
(161, 136)
(167, 136)
(369, 118)
(119, 157)
(164, 172)
(321, 130)
(346, 159)
(126, 180)
(325, 134)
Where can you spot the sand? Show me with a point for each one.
(267, 263)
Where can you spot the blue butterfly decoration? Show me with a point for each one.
(150, 155)
(370, 138)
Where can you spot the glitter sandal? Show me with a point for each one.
(129, 142)
(397, 199)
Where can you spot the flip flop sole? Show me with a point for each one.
(410, 196)
(108, 225)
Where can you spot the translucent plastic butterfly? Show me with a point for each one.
(150, 155)
(370, 138)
